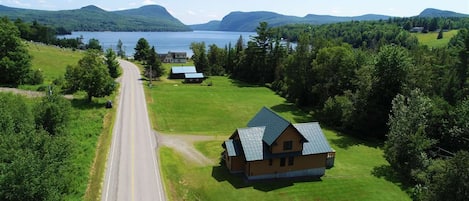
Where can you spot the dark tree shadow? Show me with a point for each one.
(221, 174)
(243, 84)
(300, 116)
(84, 104)
(386, 172)
(345, 141)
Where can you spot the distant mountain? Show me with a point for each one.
(248, 21)
(431, 12)
(92, 18)
(209, 26)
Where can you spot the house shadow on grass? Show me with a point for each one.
(221, 174)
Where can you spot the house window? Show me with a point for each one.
(282, 162)
(290, 160)
(287, 145)
(270, 162)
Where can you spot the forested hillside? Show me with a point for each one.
(92, 18)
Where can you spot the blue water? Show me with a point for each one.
(164, 41)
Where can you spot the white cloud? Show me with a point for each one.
(190, 12)
(147, 2)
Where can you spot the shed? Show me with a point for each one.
(178, 72)
(194, 77)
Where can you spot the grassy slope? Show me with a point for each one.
(214, 110)
(218, 110)
(86, 125)
(430, 40)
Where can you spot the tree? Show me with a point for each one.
(153, 67)
(199, 57)
(142, 50)
(390, 74)
(93, 44)
(90, 75)
(15, 61)
(452, 182)
(407, 143)
(440, 34)
(120, 49)
(298, 72)
(112, 63)
(53, 112)
(216, 59)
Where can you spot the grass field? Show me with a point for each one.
(52, 60)
(212, 110)
(360, 172)
(430, 40)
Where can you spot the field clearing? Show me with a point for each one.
(52, 60)
(212, 110)
(430, 39)
(360, 172)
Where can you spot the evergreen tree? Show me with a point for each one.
(142, 50)
(112, 63)
(153, 67)
(120, 49)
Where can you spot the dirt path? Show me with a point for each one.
(28, 93)
(184, 144)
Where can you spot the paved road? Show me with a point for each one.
(132, 167)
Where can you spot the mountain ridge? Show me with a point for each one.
(93, 18)
(250, 20)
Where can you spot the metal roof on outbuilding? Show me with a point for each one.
(183, 69)
(194, 75)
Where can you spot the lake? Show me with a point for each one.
(163, 41)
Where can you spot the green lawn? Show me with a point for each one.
(212, 110)
(360, 172)
(430, 40)
(52, 60)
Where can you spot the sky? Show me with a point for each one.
(202, 11)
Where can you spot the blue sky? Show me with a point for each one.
(201, 11)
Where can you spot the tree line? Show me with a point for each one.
(372, 80)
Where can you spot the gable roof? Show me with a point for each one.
(232, 148)
(251, 142)
(273, 123)
(183, 69)
(317, 142)
(194, 75)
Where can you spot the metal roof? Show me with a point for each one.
(183, 69)
(251, 142)
(230, 148)
(194, 75)
(274, 124)
(317, 142)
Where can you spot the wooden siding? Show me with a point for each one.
(290, 134)
(300, 163)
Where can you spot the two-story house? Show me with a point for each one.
(272, 147)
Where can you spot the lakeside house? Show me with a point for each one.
(173, 57)
(272, 147)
